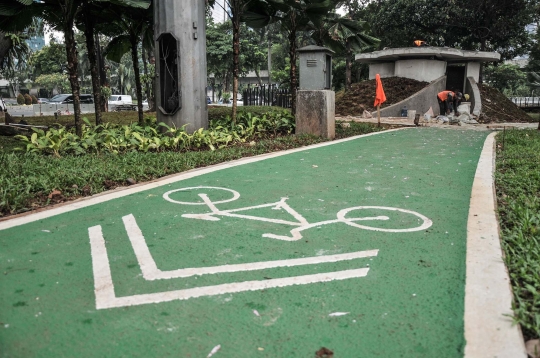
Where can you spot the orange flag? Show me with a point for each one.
(380, 97)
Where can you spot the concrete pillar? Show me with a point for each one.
(472, 69)
(315, 113)
(180, 50)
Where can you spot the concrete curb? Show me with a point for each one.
(489, 331)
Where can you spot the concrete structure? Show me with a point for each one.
(181, 63)
(6, 90)
(428, 63)
(420, 101)
(316, 103)
(472, 89)
(443, 67)
(316, 113)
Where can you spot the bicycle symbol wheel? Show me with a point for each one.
(352, 221)
(166, 196)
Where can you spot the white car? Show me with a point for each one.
(120, 99)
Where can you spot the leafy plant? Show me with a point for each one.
(20, 99)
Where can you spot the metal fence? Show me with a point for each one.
(526, 102)
(267, 96)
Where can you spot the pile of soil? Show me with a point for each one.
(497, 108)
(362, 95)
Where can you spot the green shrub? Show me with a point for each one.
(220, 112)
(116, 139)
(20, 99)
(27, 99)
(34, 99)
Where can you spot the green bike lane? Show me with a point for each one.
(209, 265)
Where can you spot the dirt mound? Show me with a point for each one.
(497, 108)
(362, 95)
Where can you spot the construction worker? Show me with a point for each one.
(445, 99)
(420, 43)
(457, 101)
(449, 101)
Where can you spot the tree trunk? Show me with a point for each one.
(236, 56)
(269, 57)
(72, 64)
(292, 57)
(152, 98)
(92, 58)
(102, 74)
(258, 77)
(5, 45)
(138, 87)
(348, 66)
(145, 70)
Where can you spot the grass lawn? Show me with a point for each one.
(517, 180)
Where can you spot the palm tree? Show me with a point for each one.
(13, 23)
(60, 15)
(91, 16)
(344, 34)
(294, 16)
(130, 26)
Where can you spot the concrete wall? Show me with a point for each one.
(383, 69)
(49, 109)
(420, 101)
(472, 69)
(420, 70)
(471, 88)
(46, 109)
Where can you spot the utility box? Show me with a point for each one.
(315, 109)
(315, 68)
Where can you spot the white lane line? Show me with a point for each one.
(142, 252)
(228, 288)
(103, 284)
(106, 298)
(151, 272)
(489, 330)
(120, 193)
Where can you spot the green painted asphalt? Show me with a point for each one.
(409, 304)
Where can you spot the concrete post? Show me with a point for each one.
(316, 113)
(180, 49)
(316, 103)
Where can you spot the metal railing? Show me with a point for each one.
(526, 102)
(266, 96)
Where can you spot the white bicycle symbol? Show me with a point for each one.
(301, 223)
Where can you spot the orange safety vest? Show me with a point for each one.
(419, 43)
(444, 95)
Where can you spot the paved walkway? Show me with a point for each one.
(405, 122)
(358, 246)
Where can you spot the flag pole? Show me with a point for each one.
(378, 115)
